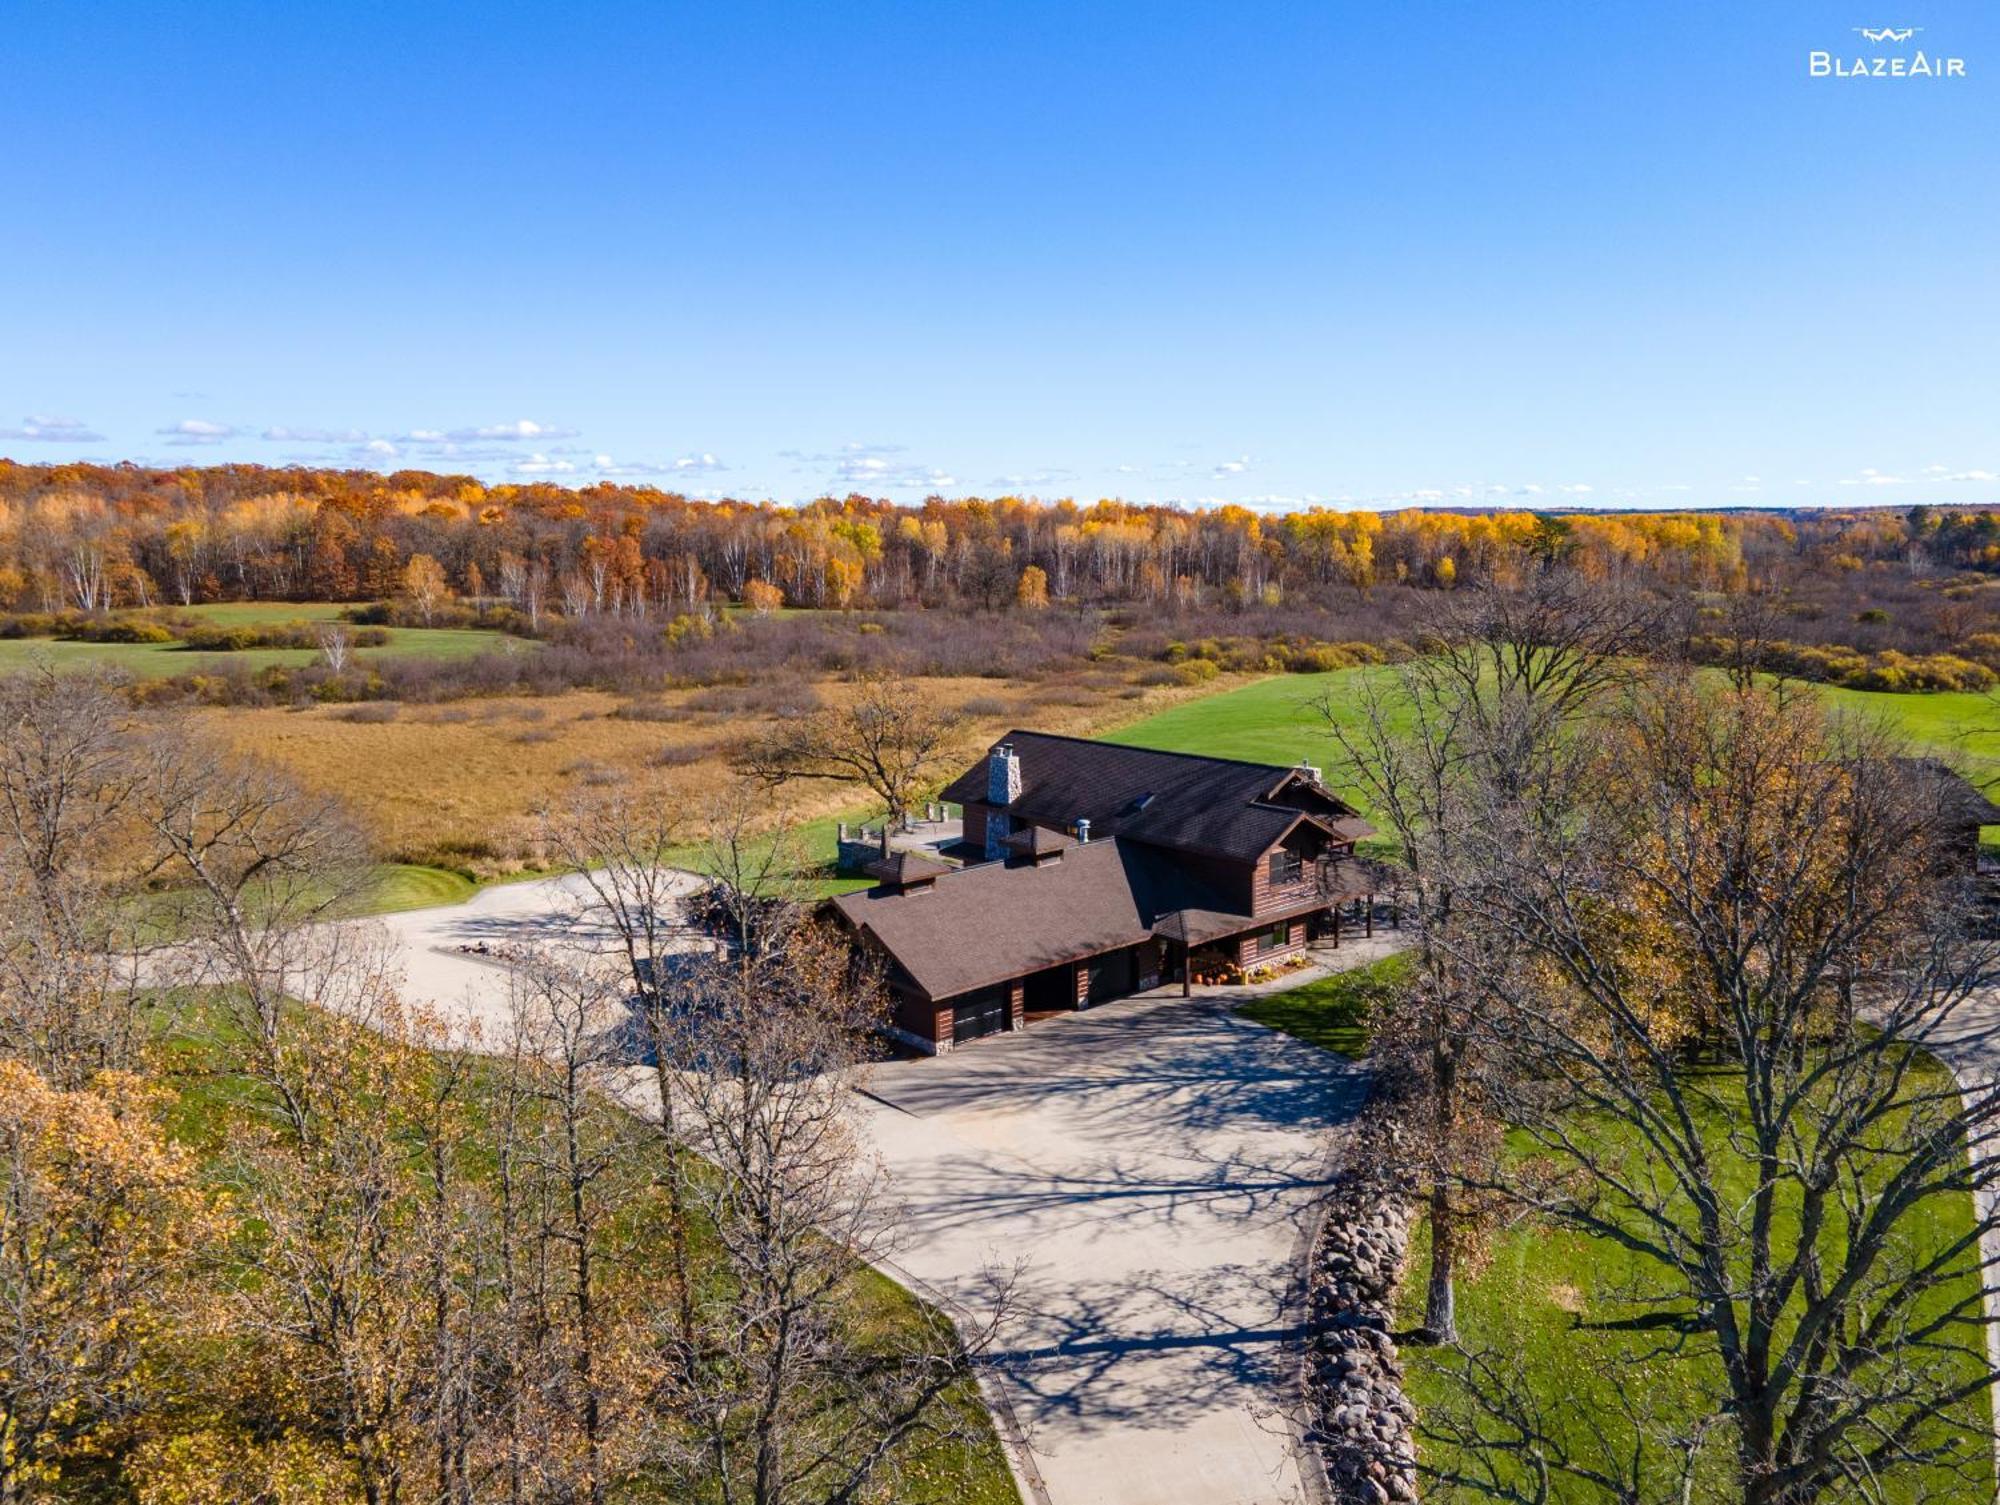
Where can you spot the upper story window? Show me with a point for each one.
(1286, 866)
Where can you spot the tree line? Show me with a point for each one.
(90, 538)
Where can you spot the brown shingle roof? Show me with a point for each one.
(1178, 800)
(1960, 802)
(984, 924)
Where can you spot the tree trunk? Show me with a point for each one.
(1440, 1296)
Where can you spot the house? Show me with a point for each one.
(1096, 871)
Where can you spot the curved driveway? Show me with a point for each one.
(1150, 1167)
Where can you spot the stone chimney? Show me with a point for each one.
(1003, 776)
(1310, 771)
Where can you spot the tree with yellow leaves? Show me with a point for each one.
(424, 584)
(1031, 592)
(104, 1226)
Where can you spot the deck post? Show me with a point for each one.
(1335, 912)
(1187, 971)
(1370, 913)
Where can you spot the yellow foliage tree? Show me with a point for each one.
(424, 584)
(1032, 591)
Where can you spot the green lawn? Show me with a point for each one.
(1539, 1289)
(1275, 720)
(1540, 1292)
(1335, 1013)
(159, 660)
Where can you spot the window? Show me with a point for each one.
(1278, 937)
(1285, 867)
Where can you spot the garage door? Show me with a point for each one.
(1112, 976)
(981, 1013)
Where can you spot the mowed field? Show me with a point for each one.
(159, 660)
(1279, 720)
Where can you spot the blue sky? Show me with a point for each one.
(1615, 254)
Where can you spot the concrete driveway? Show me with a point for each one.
(455, 956)
(1151, 1166)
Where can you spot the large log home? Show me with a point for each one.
(1096, 871)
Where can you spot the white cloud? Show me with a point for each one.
(1228, 468)
(606, 465)
(314, 436)
(520, 430)
(1946, 473)
(198, 431)
(1870, 476)
(1576, 489)
(42, 428)
(879, 465)
(543, 465)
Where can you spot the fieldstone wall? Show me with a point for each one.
(1362, 1420)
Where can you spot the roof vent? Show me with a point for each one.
(1083, 831)
(1311, 771)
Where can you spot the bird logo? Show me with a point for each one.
(1881, 34)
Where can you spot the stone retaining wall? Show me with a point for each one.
(1362, 1421)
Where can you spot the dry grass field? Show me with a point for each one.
(457, 785)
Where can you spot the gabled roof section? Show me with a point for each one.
(1960, 802)
(996, 920)
(1182, 801)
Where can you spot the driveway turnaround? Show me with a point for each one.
(1150, 1168)
(455, 956)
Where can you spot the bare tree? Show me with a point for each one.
(791, 1402)
(571, 1178)
(1733, 880)
(69, 1001)
(336, 645)
(1462, 745)
(251, 868)
(887, 737)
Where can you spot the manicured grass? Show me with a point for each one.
(265, 613)
(159, 660)
(1276, 720)
(1270, 721)
(1540, 1297)
(406, 885)
(1335, 1013)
